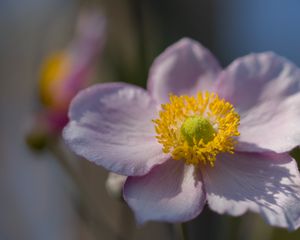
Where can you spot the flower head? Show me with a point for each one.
(198, 135)
(66, 72)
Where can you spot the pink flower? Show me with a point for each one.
(66, 72)
(222, 137)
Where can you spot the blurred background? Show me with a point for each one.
(39, 199)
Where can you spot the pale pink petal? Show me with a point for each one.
(272, 125)
(81, 55)
(171, 192)
(264, 88)
(84, 50)
(111, 125)
(183, 68)
(265, 183)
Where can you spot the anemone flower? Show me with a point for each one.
(198, 135)
(66, 72)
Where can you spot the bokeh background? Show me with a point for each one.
(37, 197)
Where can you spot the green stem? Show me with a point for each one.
(184, 231)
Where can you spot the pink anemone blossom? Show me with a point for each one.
(66, 72)
(198, 135)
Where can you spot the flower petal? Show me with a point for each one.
(183, 68)
(265, 183)
(264, 88)
(110, 124)
(271, 126)
(170, 192)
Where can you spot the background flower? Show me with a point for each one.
(65, 72)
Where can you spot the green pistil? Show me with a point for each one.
(197, 128)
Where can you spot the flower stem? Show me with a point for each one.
(184, 231)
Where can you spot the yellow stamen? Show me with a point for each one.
(196, 129)
(53, 73)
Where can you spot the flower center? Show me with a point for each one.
(197, 129)
(54, 71)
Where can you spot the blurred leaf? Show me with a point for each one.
(282, 234)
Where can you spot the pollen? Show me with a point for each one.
(197, 129)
